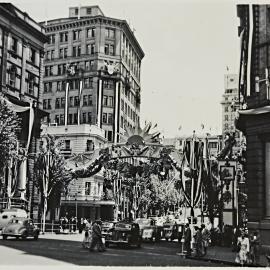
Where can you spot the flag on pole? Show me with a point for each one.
(79, 107)
(66, 103)
(250, 38)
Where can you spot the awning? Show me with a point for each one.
(260, 110)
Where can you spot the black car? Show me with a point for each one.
(124, 233)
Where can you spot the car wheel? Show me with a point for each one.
(24, 236)
(167, 239)
(36, 236)
(4, 237)
(17, 237)
(107, 244)
(139, 245)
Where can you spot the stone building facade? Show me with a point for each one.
(21, 82)
(254, 121)
(106, 59)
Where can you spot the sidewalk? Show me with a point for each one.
(225, 255)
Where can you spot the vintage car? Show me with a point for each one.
(124, 233)
(173, 231)
(148, 229)
(106, 227)
(20, 228)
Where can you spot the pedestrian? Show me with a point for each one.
(205, 239)
(80, 225)
(243, 247)
(87, 238)
(198, 241)
(236, 234)
(97, 237)
(187, 239)
(255, 243)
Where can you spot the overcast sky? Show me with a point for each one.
(187, 45)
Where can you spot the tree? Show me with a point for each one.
(50, 172)
(9, 127)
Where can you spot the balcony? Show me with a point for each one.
(82, 129)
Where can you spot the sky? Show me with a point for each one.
(188, 45)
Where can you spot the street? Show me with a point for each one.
(57, 250)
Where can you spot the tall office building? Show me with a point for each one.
(92, 72)
(21, 64)
(230, 105)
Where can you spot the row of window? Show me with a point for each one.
(130, 57)
(92, 191)
(107, 118)
(128, 111)
(73, 118)
(90, 146)
(16, 47)
(77, 35)
(126, 123)
(109, 49)
(74, 84)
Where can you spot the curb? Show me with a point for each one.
(222, 261)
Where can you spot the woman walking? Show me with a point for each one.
(243, 249)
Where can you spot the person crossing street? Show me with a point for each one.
(97, 237)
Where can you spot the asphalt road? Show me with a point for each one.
(63, 250)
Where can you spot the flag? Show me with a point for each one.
(202, 125)
(66, 103)
(250, 37)
(79, 107)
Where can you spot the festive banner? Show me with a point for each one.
(250, 39)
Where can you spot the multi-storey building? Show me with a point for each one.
(104, 58)
(254, 120)
(21, 57)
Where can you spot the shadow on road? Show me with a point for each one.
(68, 251)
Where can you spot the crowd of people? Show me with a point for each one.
(247, 247)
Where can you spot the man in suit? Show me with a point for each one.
(97, 237)
(187, 240)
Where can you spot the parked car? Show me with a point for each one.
(8, 214)
(173, 231)
(106, 227)
(124, 233)
(148, 229)
(20, 228)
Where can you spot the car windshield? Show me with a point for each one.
(16, 221)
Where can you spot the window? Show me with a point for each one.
(76, 51)
(70, 118)
(90, 145)
(226, 109)
(87, 188)
(71, 102)
(62, 121)
(212, 145)
(57, 103)
(32, 55)
(44, 104)
(56, 119)
(226, 117)
(109, 33)
(104, 118)
(52, 39)
(89, 117)
(67, 144)
(48, 70)
(110, 136)
(14, 45)
(84, 100)
(109, 84)
(110, 118)
(90, 100)
(121, 122)
(122, 104)
(76, 34)
(91, 32)
(91, 48)
(110, 101)
(63, 102)
(58, 86)
(49, 104)
(76, 101)
(12, 75)
(109, 49)
(75, 118)
(64, 37)
(84, 118)
(86, 83)
(31, 82)
(88, 11)
(61, 69)
(47, 87)
(105, 100)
